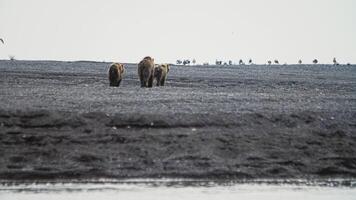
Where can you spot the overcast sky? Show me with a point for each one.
(128, 30)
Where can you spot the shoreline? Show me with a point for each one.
(347, 182)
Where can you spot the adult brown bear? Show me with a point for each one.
(145, 71)
(116, 72)
(160, 74)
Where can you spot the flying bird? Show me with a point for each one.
(2, 40)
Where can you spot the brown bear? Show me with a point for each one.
(116, 72)
(160, 74)
(145, 71)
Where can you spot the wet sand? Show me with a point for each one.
(189, 190)
(61, 120)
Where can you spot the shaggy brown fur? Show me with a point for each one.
(145, 71)
(116, 72)
(160, 74)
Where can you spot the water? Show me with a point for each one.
(178, 189)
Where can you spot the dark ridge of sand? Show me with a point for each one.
(46, 145)
(60, 120)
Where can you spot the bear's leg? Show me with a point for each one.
(150, 81)
(118, 83)
(143, 82)
(113, 83)
(163, 80)
(157, 81)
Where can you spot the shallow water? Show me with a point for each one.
(173, 189)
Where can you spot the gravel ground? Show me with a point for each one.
(61, 120)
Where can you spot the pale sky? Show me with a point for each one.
(128, 30)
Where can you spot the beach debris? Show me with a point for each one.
(12, 57)
(218, 62)
(186, 62)
(335, 62)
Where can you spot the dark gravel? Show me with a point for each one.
(61, 120)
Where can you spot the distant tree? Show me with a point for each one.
(250, 61)
(12, 58)
(269, 62)
(194, 61)
(276, 62)
(315, 61)
(241, 62)
(335, 62)
(179, 62)
(300, 62)
(230, 62)
(186, 62)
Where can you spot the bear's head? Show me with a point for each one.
(121, 68)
